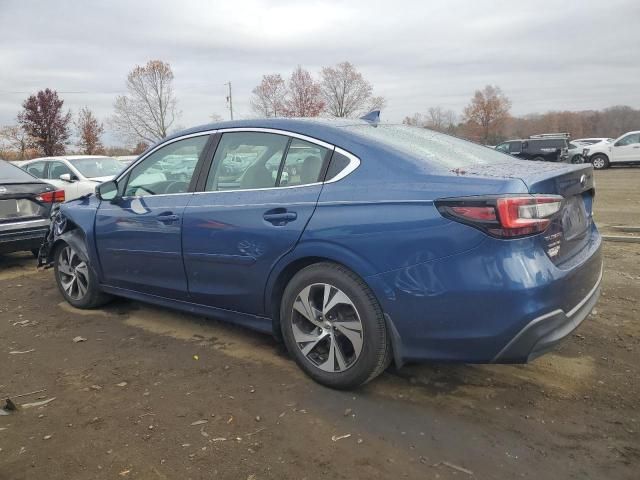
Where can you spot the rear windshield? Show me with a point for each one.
(11, 174)
(436, 148)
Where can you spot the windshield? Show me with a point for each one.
(436, 148)
(97, 167)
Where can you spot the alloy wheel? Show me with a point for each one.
(598, 163)
(327, 328)
(73, 273)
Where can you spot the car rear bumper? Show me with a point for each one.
(543, 333)
(502, 301)
(26, 235)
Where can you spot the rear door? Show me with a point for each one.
(138, 236)
(255, 203)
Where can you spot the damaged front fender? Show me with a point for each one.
(61, 230)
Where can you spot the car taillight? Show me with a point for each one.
(504, 216)
(56, 196)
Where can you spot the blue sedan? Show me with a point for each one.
(356, 243)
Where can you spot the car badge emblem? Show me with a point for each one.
(583, 180)
(3, 190)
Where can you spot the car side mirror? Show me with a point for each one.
(107, 191)
(67, 177)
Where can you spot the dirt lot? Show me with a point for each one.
(154, 394)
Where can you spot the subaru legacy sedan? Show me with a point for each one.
(385, 243)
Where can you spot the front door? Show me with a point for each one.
(138, 236)
(57, 168)
(627, 149)
(259, 195)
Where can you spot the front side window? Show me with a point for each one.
(36, 169)
(56, 169)
(515, 147)
(629, 140)
(503, 147)
(167, 170)
(247, 160)
(304, 163)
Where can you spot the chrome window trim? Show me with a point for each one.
(354, 162)
(279, 132)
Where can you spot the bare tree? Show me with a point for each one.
(148, 110)
(376, 103)
(139, 148)
(345, 90)
(415, 120)
(44, 122)
(304, 98)
(440, 119)
(268, 99)
(16, 139)
(89, 131)
(489, 108)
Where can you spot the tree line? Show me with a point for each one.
(148, 112)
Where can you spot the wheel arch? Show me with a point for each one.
(310, 254)
(76, 239)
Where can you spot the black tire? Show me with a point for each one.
(577, 159)
(600, 161)
(93, 297)
(375, 354)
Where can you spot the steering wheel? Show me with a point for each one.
(177, 187)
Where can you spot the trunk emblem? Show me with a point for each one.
(3, 190)
(583, 180)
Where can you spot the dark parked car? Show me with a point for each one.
(391, 243)
(25, 206)
(537, 149)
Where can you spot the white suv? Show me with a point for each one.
(77, 175)
(624, 149)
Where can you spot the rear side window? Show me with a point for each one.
(247, 160)
(36, 169)
(303, 164)
(515, 147)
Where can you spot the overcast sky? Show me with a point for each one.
(569, 55)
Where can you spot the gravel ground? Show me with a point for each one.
(153, 394)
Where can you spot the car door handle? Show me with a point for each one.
(167, 217)
(279, 216)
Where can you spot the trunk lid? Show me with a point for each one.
(18, 202)
(571, 229)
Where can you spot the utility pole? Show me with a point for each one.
(230, 99)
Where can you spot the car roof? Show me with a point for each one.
(328, 129)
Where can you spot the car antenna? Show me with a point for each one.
(373, 117)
